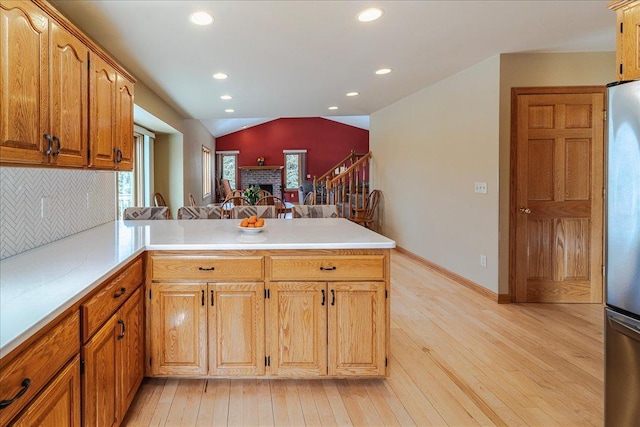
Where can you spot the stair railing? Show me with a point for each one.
(348, 189)
(332, 173)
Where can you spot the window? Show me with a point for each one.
(294, 168)
(130, 185)
(206, 172)
(228, 167)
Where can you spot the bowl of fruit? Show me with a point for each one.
(253, 224)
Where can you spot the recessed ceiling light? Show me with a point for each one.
(229, 110)
(220, 76)
(383, 71)
(226, 97)
(201, 18)
(333, 108)
(369, 15)
(353, 93)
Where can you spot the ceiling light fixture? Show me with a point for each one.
(353, 93)
(201, 18)
(382, 71)
(229, 110)
(333, 108)
(369, 15)
(226, 97)
(220, 76)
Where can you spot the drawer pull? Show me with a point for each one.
(25, 385)
(50, 149)
(323, 297)
(122, 328)
(328, 268)
(206, 269)
(333, 297)
(57, 152)
(121, 292)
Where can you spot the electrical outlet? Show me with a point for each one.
(308, 176)
(483, 260)
(480, 187)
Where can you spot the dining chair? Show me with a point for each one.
(275, 201)
(226, 187)
(146, 213)
(192, 200)
(158, 200)
(310, 198)
(201, 212)
(315, 211)
(246, 211)
(365, 216)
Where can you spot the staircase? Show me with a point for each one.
(345, 185)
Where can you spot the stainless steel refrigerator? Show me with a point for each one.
(622, 269)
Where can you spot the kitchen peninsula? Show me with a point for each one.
(302, 298)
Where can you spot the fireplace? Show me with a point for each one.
(266, 177)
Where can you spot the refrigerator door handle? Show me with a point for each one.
(624, 326)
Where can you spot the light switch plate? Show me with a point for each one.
(480, 187)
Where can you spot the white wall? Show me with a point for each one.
(428, 150)
(195, 136)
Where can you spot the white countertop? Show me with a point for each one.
(37, 285)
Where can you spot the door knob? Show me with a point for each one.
(525, 210)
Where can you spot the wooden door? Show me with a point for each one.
(102, 123)
(59, 403)
(131, 348)
(298, 328)
(236, 329)
(101, 358)
(24, 82)
(69, 98)
(178, 329)
(558, 205)
(356, 328)
(124, 120)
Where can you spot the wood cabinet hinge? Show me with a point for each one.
(386, 361)
(267, 294)
(621, 27)
(604, 115)
(89, 64)
(604, 271)
(151, 361)
(386, 294)
(81, 366)
(149, 293)
(267, 361)
(620, 68)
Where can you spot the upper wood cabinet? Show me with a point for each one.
(46, 89)
(111, 125)
(628, 38)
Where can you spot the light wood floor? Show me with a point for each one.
(457, 359)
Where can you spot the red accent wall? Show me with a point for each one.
(327, 142)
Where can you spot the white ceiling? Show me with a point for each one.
(297, 58)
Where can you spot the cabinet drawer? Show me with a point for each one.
(206, 268)
(112, 295)
(38, 364)
(344, 267)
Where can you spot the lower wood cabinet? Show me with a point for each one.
(59, 403)
(316, 314)
(335, 329)
(114, 364)
(207, 329)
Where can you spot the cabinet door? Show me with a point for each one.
(298, 328)
(629, 54)
(178, 329)
(59, 403)
(356, 323)
(24, 82)
(101, 358)
(102, 124)
(131, 347)
(69, 98)
(236, 329)
(124, 120)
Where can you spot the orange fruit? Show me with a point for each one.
(244, 223)
(260, 222)
(251, 225)
(253, 219)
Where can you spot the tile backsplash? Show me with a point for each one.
(38, 206)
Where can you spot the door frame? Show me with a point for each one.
(538, 90)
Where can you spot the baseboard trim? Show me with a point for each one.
(501, 299)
